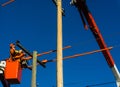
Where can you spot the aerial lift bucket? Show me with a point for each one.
(13, 72)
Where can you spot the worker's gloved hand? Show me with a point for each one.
(20, 51)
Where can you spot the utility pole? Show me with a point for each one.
(34, 69)
(59, 45)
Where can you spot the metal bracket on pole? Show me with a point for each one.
(63, 11)
(73, 2)
(26, 51)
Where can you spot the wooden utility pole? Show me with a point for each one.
(33, 83)
(59, 45)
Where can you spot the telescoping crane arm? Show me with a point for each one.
(85, 14)
(83, 9)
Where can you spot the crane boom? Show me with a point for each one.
(82, 7)
(84, 11)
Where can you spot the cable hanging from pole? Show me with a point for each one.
(82, 54)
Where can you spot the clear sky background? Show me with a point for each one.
(33, 22)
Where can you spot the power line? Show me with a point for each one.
(100, 84)
(91, 39)
(77, 83)
(8, 2)
(82, 54)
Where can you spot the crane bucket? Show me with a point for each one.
(13, 72)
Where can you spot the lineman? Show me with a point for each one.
(19, 55)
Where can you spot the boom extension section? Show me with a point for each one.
(85, 14)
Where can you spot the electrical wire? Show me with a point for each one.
(93, 85)
(100, 84)
(91, 39)
(82, 54)
(8, 2)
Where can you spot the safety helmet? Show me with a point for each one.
(11, 45)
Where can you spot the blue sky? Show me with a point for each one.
(33, 22)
